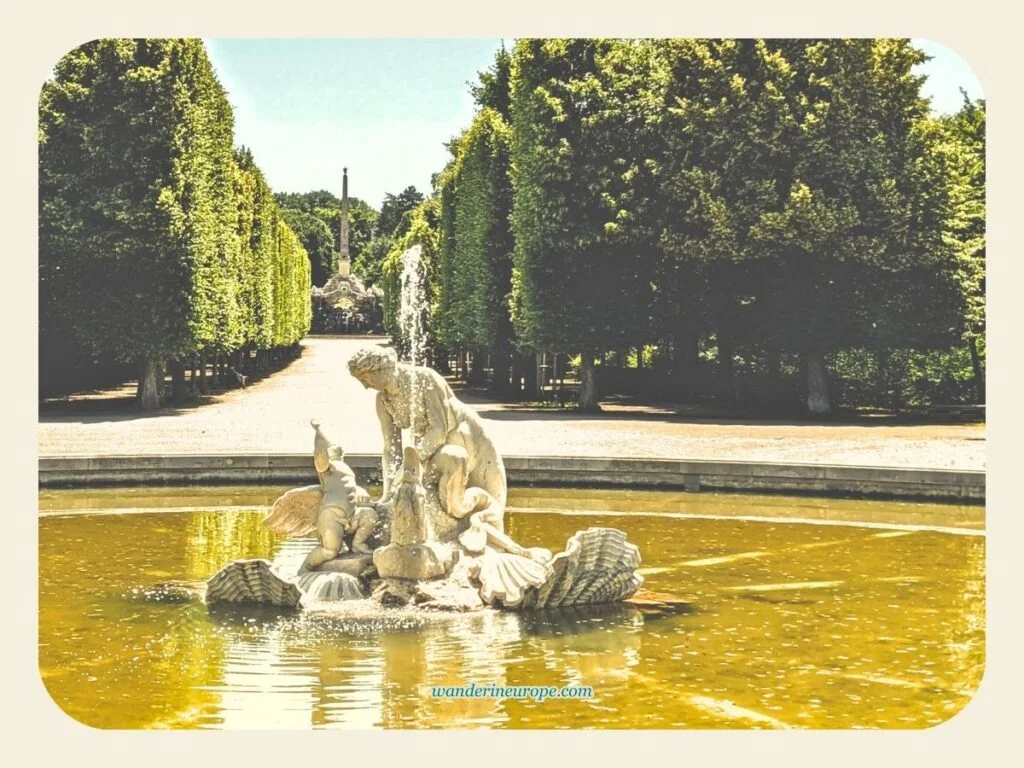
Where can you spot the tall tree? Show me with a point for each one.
(388, 228)
(258, 233)
(475, 271)
(308, 201)
(135, 169)
(964, 147)
(578, 285)
(797, 197)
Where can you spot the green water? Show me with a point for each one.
(793, 624)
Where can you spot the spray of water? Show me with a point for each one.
(412, 307)
(411, 311)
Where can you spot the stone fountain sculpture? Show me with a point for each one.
(435, 538)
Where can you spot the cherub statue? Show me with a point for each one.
(335, 509)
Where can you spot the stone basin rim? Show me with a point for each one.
(901, 483)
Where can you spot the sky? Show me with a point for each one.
(385, 108)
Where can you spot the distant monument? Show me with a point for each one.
(344, 260)
(345, 304)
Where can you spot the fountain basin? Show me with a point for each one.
(804, 613)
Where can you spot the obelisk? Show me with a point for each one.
(344, 265)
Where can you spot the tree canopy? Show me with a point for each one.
(158, 241)
(770, 203)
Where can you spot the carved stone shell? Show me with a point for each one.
(328, 587)
(598, 566)
(506, 579)
(252, 581)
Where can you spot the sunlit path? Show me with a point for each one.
(273, 415)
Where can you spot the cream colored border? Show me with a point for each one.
(38, 33)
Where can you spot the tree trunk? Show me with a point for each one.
(203, 388)
(160, 371)
(178, 392)
(639, 358)
(588, 384)
(979, 372)
(685, 357)
(147, 395)
(529, 375)
(726, 370)
(500, 374)
(476, 370)
(620, 357)
(817, 385)
(442, 361)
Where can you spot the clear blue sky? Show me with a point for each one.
(385, 107)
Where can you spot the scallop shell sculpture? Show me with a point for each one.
(252, 581)
(508, 579)
(598, 566)
(328, 587)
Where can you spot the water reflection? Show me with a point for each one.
(378, 668)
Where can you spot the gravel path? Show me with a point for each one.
(273, 416)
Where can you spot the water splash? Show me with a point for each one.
(412, 309)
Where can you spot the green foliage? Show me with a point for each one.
(395, 212)
(963, 143)
(444, 321)
(422, 230)
(382, 232)
(493, 88)
(136, 252)
(361, 222)
(325, 206)
(806, 198)
(475, 242)
(157, 240)
(316, 238)
(258, 233)
(582, 275)
(902, 378)
(292, 283)
(370, 261)
(308, 202)
(748, 205)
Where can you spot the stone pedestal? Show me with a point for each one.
(416, 562)
(447, 595)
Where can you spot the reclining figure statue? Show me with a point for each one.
(448, 435)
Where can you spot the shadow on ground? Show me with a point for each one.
(117, 404)
(638, 409)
